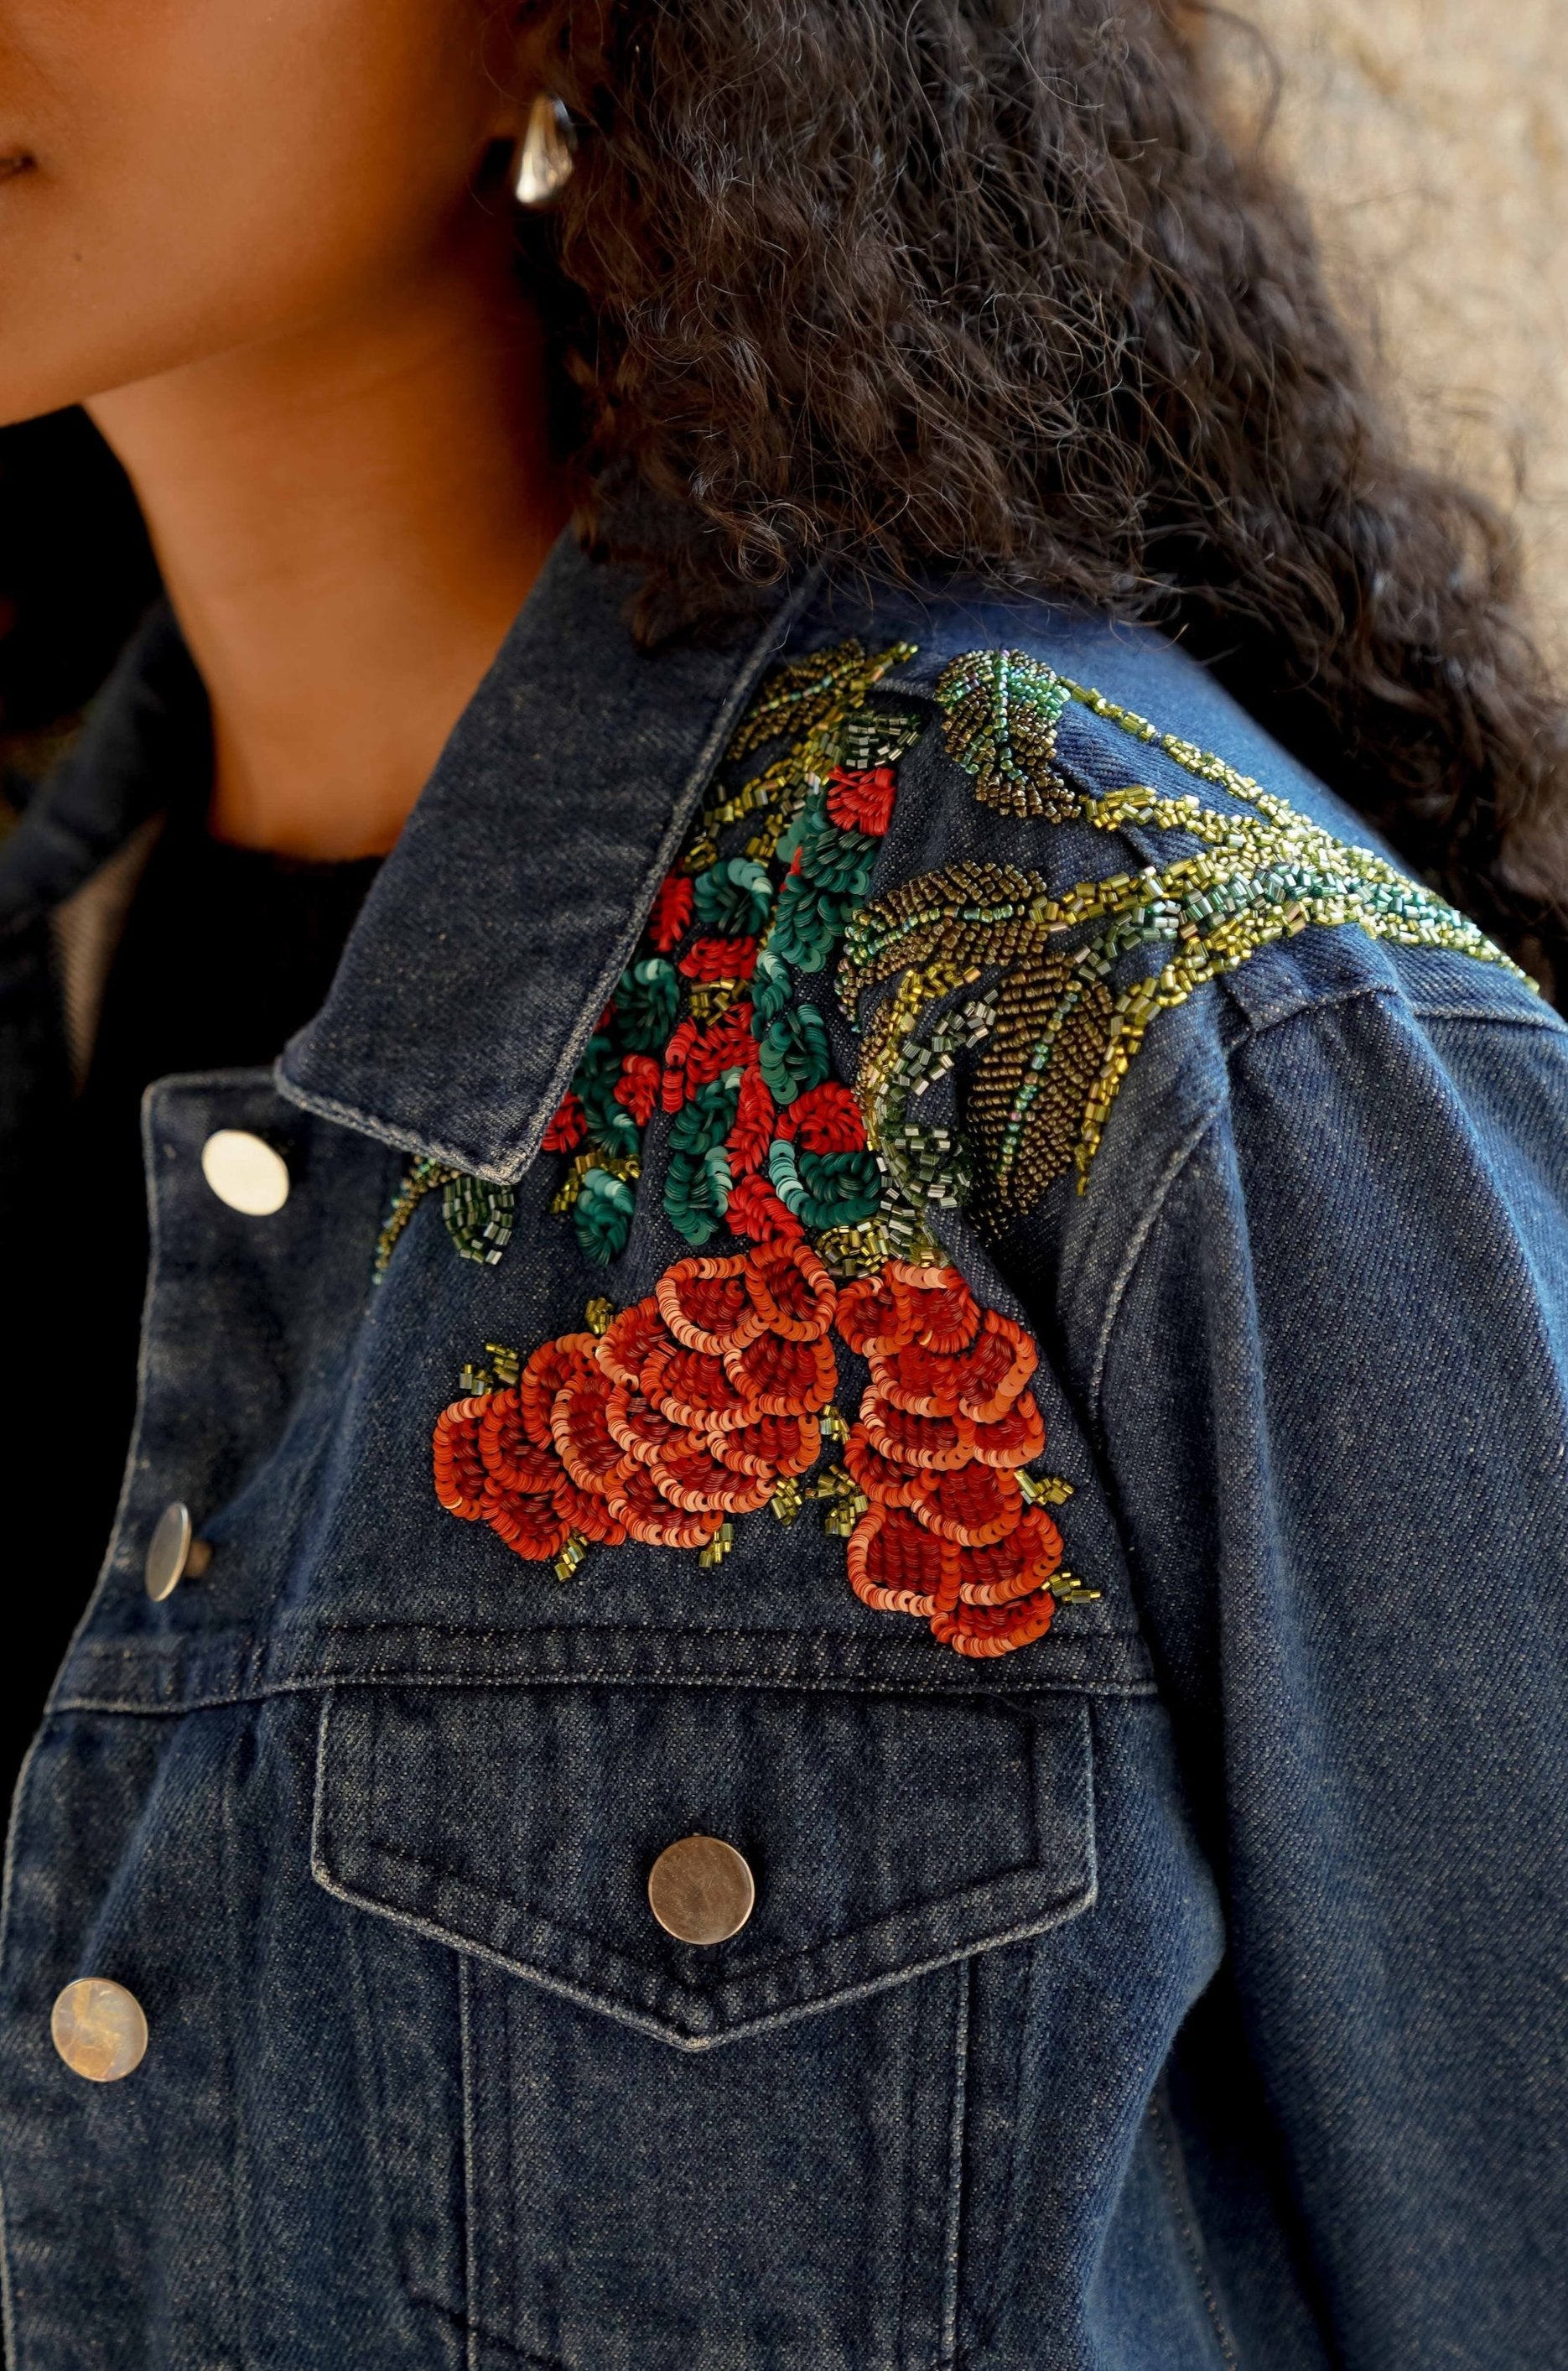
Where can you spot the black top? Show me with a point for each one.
(224, 953)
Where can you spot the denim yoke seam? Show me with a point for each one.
(1138, 1241)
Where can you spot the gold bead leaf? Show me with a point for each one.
(797, 696)
(1002, 710)
(968, 913)
(1034, 1078)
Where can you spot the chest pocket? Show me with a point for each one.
(666, 2152)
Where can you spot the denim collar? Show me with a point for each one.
(498, 925)
(145, 749)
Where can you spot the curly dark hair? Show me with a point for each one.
(982, 289)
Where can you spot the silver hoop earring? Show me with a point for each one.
(544, 160)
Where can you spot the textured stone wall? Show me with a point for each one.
(1431, 139)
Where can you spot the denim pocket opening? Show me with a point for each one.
(888, 1835)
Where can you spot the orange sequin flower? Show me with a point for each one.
(862, 802)
(944, 1429)
(691, 1407)
(695, 1403)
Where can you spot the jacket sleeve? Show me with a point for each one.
(1329, 1384)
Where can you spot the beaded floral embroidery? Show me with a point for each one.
(712, 1399)
(715, 1396)
(709, 1022)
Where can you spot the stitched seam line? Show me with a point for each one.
(1371, 989)
(1138, 1239)
(1134, 1252)
(1176, 2186)
(470, 2177)
(126, 1707)
(948, 2357)
(1548, 1022)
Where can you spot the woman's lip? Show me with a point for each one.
(14, 161)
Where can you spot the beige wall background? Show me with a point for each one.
(1431, 137)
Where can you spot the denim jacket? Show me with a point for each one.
(903, 1252)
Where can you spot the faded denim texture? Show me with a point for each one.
(1184, 1991)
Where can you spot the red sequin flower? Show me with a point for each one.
(720, 959)
(690, 1408)
(638, 1087)
(672, 912)
(568, 1128)
(862, 802)
(825, 1120)
(944, 1429)
(695, 1405)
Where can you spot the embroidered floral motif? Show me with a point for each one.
(709, 1022)
(1056, 1039)
(713, 1399)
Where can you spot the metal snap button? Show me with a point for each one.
(98, 2029)
(700, 1890)
(173, 1552)
(245, 1172)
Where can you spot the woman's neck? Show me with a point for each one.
(347, 520)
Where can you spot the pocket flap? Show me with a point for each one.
(885, 1834)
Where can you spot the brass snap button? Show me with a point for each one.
(245, 1172)
(701, 1891)
(98, 2029)
(173, 1552)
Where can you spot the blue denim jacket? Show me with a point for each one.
(1182, 1986)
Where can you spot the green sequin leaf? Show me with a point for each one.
(708, 1118)
(837, 860)
(647, 1003)
(809, 923)
(697, 1192)
(610, 1126)
(824, 1189)
(794, 1053)
(773, 989)
(734, 899)
(603, 1215)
